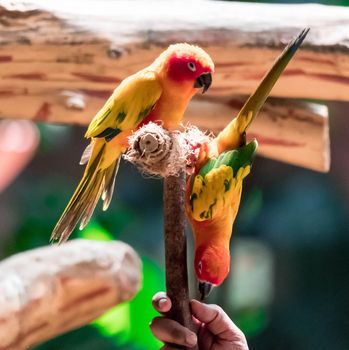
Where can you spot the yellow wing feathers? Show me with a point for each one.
(98, 181)
(214, 193)
(129, 104)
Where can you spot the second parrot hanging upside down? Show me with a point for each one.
(214, 190)
(161, 92)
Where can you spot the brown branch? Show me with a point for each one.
(159, 152)
(176, 250)
(48, 291)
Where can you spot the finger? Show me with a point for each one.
(161, 302)
(217, 321)
(18, 142)
(169, 331)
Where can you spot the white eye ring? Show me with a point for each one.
(191, 66)
(200, 266)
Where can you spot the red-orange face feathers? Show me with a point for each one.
(212, 264)
(186, 62)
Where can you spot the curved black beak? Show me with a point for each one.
(205, 289)
(203, 81)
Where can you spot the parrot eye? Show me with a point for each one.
(192, 66)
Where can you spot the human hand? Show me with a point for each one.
(216, 330)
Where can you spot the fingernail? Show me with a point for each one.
(162, 302)
(191, 339)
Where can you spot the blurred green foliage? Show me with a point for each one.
(300, 215)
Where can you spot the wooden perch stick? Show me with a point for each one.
(159, 152)
(48, 291)
(176, 250)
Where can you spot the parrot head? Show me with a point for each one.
(188, 66)
(211, 266)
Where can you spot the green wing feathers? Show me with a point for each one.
(235, 159)
(129, 104)
(219, 182)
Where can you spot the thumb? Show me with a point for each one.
(217, 322)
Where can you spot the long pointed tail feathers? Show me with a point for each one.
(257, 99)
(97, 182)
(234, 133)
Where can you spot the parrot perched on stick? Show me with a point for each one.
(214, 190)
(160, 92)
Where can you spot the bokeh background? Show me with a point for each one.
(289, 286)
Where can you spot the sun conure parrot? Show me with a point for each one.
(214, 190)
(159, 92)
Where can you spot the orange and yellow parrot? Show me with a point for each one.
(214, 190)
(160, 92)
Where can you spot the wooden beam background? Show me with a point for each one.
(293, 132)
(60, 60)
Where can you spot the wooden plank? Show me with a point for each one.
(48, 291)
(64, 45)
(289, 131)
(59, 61)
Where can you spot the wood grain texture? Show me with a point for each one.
(50, 290)
(59, 61)
(299, 130)
(64, 45)
(289, 131)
